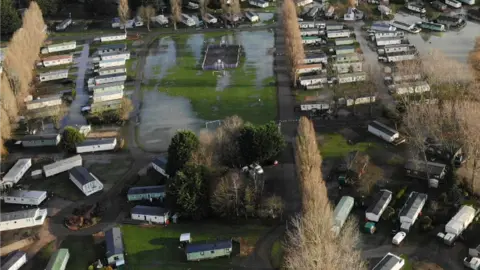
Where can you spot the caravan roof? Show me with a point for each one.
(414, 202)
(379, 201)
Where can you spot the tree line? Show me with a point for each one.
(205, 176)
(293, 41)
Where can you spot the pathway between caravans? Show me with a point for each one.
(75, 116)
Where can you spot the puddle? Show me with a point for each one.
(258, 59)
(223, 81)
(265, 16)
(161, 57)
(195, 43)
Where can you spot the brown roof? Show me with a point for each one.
(57, 57)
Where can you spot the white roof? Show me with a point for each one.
(185, 237)
(62, 162)
(462, 219)
(17, 167)
(32, 194)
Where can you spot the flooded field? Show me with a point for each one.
(180, 95)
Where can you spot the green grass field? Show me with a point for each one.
(335, 145)
(276, 254)
(157, 247)
(240, 96)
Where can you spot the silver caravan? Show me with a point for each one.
(62, 165)
(106, 96)
(111, 70)
(53, 75)
(338, 33)
(310, 80)
(409, 88)
(384, 41)
(396, 48)
(398, 56)
(352, 77)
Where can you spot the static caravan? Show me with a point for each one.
(352, 57)
(41, 140)
(252, 16)
(334, 26)
(346, 67)
(107, 96)
(399, 56)
(312, 13)
(26, 197)
(385, 132)
(380, 202)
(110, 63)
(409, 27)
(451, 21)
(461, 220)
(416, 7)
(384, 41)
(312, 40)
(115, 56)
(314, 107)
(209, 18)
(411, 209)
(63, 25)
(312, 24)
(344, 41)
(301, 3)
(108, 105)
(159, 164)
(111, 70)
(58, 260)
(192, 5)
(338, 33)
(344, 50)
(53, 75)
(410, 88)
(359, 100)
(150, 214)
(376, 35)
(397, 78)
(115, 251)
(315, 58)
(57, 60)
(17, 171)
(90, 146)
(341, 212)
(59, 47)
(114, 37)
(309, 32)
(14, 261)
(258, 3)
(62, 165)
(107, 87)
(197, 252)
(110, 78)
(432, 26)
(187, 20)
(352, 77)
(382, 27)
(396, 48)
(303, 69)
(146, 193)
(22, 219)
(439, 6)
(314, 79)
(114, 48)
(453, 3)
(390, 262)
(468, 2)
(44, 102)
(425, 171)
(85, 180)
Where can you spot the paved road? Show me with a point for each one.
(75, 116)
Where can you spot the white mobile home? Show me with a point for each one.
(384, 34)
(106, 87)
(62, 165)
(59, 47)
(344, 50)
(411, 209)
(346, 58)
(302, 69)
(399, 56)
(114, 245)
(58, 260)
(209, 18)
(426, 171)
(386, 133)
(314, 79)
(107, 96)
(111, 70)
(314, 107)
(150, 214)
(53, 75)
(352, 77)
(22, 219)
(382, 27)
(258, 3)
(84, 180)
(312, 24)
(17, 171)
(113, 48)
(252, 16)
(390, 262)
(409, 27)
(416, 7)
(334, 26)
(115, 56)
(27, 197)
(187, 20)
(57, 60)
(410, 88)
(458, 224)
(315, 58)
(110, 63)
(396, 48)
(106, 105)
(344, 41)
(159, 164)
(44, 102)
(453, 3)
(301, 3)
(342, 210)
(309, 32)
(338, 33)
(41, 140)
(63, 25)
(364, 99)
(114, 37)
(14, 260)
(345, 67)
(384, 41)
(90, 146)
(380, 203)
(110, 78)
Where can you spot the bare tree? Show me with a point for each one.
(293, 40)
(271, 207)
(367, 182)
(474, 58)
(176, 12)
(147, 13)
(204, 8)
(249, 201)
(123, 13)
(230, 9)
(227, 197)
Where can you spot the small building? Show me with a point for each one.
(187, 20)
(344, 49)
(114, 245)
(115, 56)
(312, 40)
(416, 87)
(110, 78)
(344, 41)
(64, 24)
(58, 260)
(113, 37)
(347, 67)
(84, 129)
(90, 146)
(14, 260)
(252, 16)
(146, 193)
(113, 48)
(383, 41)
(313, 79)
(159, 164)
(334, 26)
(106, 87)
(104, 106)
(200, 251)
(16, 172)
(301, 3)
(41, 140)
(439, 6)
(26, 197)
(353, 14)
(384, 34)
(341, 212)
(417, 7)
(390, 262)
(303, 69)
(56, 60)
(352, 57)
(110, 63)
(22, 219)
(411, 209)
(308, 32)
(151, 214)
(44, 102)
(315, 58)
(209, 18)
(425, 170)
(338, 33)
(352, 77)
(258, 3)
(396, 48)
(85, 181)
(451, 21)
(59, 47)
(385, 132)
(378, 206)
(107, 96)
(382, 27)
(112, 70)
(62, 165)
(53, 75)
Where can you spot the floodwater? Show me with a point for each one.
(162, 115)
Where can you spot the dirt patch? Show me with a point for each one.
(44, 237)
(103, 134)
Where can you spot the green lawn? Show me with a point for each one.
(408, 263)
(241, 95)
(131, 68)
(335, 145)
(276, 254)
(157, 247)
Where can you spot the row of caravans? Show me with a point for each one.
(59, 47)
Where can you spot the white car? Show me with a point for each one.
(253, 169)
(398, 238)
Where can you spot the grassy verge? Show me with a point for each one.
(131, 65)
(408, 264)
(335, 145)
(148, 248)
(276, 254)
